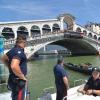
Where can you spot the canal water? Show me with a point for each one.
(40, 72)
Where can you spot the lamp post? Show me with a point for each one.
(1, 45)
(2, 69)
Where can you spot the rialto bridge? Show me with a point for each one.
(61, 31)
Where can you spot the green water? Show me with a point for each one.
(40, 72)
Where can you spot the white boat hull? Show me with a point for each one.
(73, 94)
(5, 96)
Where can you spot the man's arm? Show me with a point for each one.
(16, 69)
(97, 92)
(86, 87)
(65, 80)
(5, 60)
(84, 90)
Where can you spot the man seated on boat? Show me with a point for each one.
(85, 65)
(92, 87)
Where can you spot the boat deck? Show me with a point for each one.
(74, 95)
(5, 96)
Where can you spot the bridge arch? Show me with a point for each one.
(95, 37)
(85, 32)
(8, 33)
(35, 31)
(68, 19)
(55, 28)
(76, 46)
(46, 29)
(78, 29)
(98, 38)
(90, 35)
(22, 30)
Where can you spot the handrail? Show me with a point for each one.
(36, 40)
(5, 80)
(3, 84)
(65, 98)
(45, 90)
(79, 80)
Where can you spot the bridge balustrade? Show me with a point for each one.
(44, 38)
(92, 40)
(34, 41)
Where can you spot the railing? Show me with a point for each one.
(81, 81)
(88, 30)
(48, 90)
(37, 40)
(32, 41)
(92, 39)
(46, 94)
(51, 90)
(3, 77)
(3, 84)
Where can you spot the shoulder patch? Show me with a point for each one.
(19, 52)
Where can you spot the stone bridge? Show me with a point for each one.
(61, 31)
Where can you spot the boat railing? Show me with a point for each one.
(3, 77)
(65, 98)
(49, 89)
(46, 94)
(79, 82)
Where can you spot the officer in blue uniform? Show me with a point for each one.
(61, 80)
(92, 86)
(16, 61)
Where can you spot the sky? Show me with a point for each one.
(85, 11)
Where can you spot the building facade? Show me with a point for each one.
(95, 27)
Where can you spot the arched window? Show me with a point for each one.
(8, 33)
(22, 30)
(99, 38)
(46, 29)
(35, 31)
(95, 37)
(55, 28)
(90, 35)
(78, 30)
(85, 32)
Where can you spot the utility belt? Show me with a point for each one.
(14, 83)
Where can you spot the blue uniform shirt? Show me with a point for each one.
(59, 73)
(18, 53)
(93, 84)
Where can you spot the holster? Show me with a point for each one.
(14, 84)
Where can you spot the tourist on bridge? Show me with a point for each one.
(92, 86)
(61, 80)
(16, 61)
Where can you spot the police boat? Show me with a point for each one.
(73, 94)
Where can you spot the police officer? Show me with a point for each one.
(92, 86)
(16, 61)
(61, 80)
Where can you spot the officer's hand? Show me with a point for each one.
(89, 92)
(25, 79)
(83, 92)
